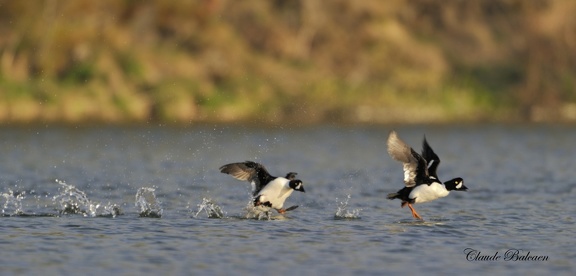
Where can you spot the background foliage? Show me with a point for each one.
(299, 60)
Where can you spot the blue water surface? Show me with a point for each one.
(70, 205)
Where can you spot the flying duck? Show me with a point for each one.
(422, 182)
(267, 190)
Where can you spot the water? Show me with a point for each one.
(148, 203)
(150, 200)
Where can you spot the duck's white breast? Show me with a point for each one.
(425, 193)
(276, 192)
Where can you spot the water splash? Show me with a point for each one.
(148, 204)
(13, 204)
(74, 201)
(212, 209)
(343, 213)
(257, 212)
(112, 210)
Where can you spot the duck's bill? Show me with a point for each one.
(291, 208)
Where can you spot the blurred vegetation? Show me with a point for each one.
(287, 60)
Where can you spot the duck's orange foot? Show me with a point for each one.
(281, 211)
(414, 214)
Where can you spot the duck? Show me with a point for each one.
(420, 177)
(267, 190)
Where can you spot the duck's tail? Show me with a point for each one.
(393, 195)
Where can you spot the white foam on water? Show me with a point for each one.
(257, 212)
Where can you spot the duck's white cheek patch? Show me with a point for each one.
(298, 186)
(459, 185)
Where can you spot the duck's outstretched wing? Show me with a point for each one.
(291, 175)
(415, 169)
(432, 160)
(252, 172)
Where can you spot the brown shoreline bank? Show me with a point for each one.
(29, 114)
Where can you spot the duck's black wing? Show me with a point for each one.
(415, 168)
(291, 175)
(252, 172)
(432, 160)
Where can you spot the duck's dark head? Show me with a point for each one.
(456, 184)
(296, 185)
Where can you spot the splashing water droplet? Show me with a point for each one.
(13, 204)
(148, 204)
(74, 201)
(343, 213)
(112, 210)
(212, 210)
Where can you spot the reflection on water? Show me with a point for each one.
(520, 180)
